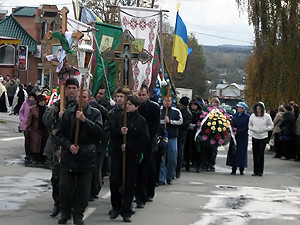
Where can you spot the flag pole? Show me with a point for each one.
(74, 8)
(171, 67)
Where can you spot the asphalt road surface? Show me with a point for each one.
(194, 199)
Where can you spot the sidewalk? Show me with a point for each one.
(6, 118)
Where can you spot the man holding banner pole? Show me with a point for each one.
(78, 160)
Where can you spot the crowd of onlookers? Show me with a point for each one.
(285, 137)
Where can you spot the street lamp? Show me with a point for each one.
(84, 54)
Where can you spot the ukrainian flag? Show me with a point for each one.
(180, 47)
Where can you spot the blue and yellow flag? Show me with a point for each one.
(180, 47)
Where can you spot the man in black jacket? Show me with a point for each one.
(137, 135)
(183, 130)
(77, 161)
(147, 177)
(53, 149)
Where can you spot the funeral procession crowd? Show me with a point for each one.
(139, 144)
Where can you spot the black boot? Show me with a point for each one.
(54, 211)
(241, 170)
(63, 219)
(233, 172)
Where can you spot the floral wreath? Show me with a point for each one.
(215, 128)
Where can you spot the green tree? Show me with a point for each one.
(194, 76)
(273, 70)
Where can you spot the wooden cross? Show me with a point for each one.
(64, 11)
(125, 53)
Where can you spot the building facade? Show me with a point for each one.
(29, 25)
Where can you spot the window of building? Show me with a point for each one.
(44, 29)
(53, 25)
(7, 55)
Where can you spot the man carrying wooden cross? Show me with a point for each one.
(137, 135)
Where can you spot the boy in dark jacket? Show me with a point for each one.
(137, 135)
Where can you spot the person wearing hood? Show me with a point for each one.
(190, 152)
(240, 122)
(37, 129)
(277, 121)
(183, 130)
(23, 115)
(260, 123)
(286, 135)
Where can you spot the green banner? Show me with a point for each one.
(106, 36)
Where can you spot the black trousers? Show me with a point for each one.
(277, 145)
(95, 185)
(258, 149)
(55, 182)
(180, 148)
(74, 192)
(153, 177)
(190, 151)
(143, 178)
(121, 200)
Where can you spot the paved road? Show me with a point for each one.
(196, 199)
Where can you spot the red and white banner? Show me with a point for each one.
(143, 23)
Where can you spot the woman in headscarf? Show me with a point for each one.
(3, 96)
(260, 123)
(23, 115)
(38, 131)
(240, 122)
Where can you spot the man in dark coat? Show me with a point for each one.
(77, 161)
(183, 130)
(137, 135)
(240, 122)
(50, 119)
(147, 176)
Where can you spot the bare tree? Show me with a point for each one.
(106, 11)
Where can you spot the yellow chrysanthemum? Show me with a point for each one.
(224, 120)
(209, 124)
(219, 129)
(220, 122)
(224, 128)
(213, 128)
(214, 123)
(210, 117)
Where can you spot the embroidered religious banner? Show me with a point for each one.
(143, 23)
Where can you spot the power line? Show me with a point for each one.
(211, 35)
(196, 25)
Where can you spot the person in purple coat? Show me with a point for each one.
(240, 122)
(23, 115)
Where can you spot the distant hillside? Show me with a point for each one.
(226, 63)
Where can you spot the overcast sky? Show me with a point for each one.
(214, 22)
